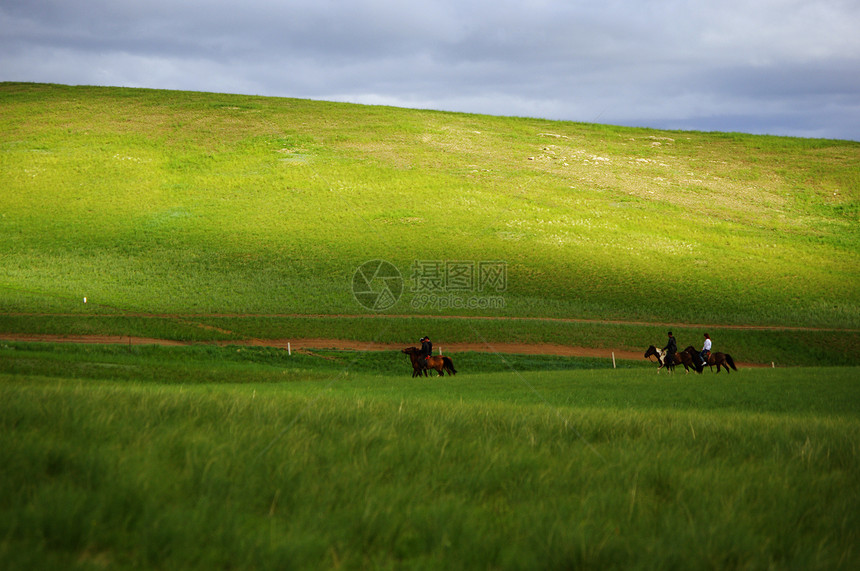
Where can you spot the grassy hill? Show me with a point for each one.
(207, 217)
(199, 216)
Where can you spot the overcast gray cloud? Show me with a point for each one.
(786, 67)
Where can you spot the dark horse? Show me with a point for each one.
(719, 359)
(676, 359)
(438, 363)
(418, 364)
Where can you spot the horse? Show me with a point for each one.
(676, 359)
(439, 363)
(418, 364)
(652, 350)
(719, 359)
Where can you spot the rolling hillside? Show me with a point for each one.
(210, 216)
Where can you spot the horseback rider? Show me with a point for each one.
(706, 350)
(426, 347)
(670, 349)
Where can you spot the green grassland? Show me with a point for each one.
(203, 457)
(157, 204)
(211, 219)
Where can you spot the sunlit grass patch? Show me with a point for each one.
(162, 202)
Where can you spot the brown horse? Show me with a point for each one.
(418, 364)
(676, 359)
(719, 359)
(439, 363)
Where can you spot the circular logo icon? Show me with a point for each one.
(377, 285)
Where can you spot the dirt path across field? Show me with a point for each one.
(303, 345)
(341, 344)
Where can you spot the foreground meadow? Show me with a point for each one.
(203, 457)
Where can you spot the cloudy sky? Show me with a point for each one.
(785, 67)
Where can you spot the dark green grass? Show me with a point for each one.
(234, 364)
(748, 390)
(338, 468)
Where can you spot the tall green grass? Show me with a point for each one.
(172, 202)
(337, 468)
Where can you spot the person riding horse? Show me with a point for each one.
(670, 349)
(426, 347)
(706, 350)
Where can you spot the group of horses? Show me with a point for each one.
(689, 357)
(422, 364)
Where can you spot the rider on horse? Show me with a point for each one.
(706, 350)
(670, 349)
(426, 347)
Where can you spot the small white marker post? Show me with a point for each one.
(289, 351)
(613, 359)
(772, 365)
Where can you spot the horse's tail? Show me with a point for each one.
(449, 364)
(731, 362)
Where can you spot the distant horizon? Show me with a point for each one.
(779, 68)
(630, 126)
